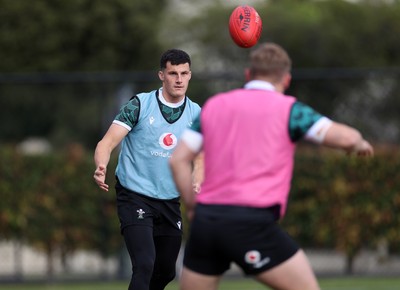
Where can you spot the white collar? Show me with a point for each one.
(259, 85)
(164, 101)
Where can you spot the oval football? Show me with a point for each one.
(245, 26)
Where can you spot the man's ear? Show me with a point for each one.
(287, 79)
(161, 75)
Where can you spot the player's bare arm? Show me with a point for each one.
(198, 172)
(347, 138)
(181, 166)
(103, 151)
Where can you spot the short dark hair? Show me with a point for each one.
(175, 56)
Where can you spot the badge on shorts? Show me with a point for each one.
(140, 214)
(252, 257)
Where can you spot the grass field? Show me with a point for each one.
(227, 284)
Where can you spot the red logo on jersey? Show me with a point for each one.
(168, 141)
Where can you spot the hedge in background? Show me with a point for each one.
(345, 202)
(342, 202)
(52, 203)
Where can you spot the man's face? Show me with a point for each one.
(175, 79)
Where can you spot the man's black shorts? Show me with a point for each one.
(164, 216)
(249, 237)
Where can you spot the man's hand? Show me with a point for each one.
(364, 149)
(100, 177)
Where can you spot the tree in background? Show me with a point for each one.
(46, 36)
(334, 44)
(328, 34)
(79, 35)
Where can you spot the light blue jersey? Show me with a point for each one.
(143, 161)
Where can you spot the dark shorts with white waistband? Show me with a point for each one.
(249, 237)
(135, 209)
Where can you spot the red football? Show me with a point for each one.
(245, 26)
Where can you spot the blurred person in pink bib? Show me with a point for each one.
(248, 137)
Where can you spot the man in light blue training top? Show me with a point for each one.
(149, 126)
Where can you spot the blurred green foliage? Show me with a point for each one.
(329, 34)
(90, 35)
(345, 60)
(52, 203)
(345, 202)
(338, 202)
(79, 35)
(335, 33)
